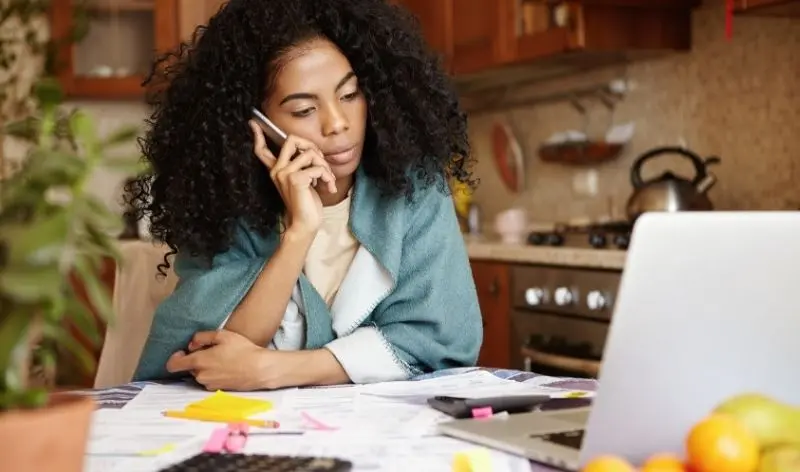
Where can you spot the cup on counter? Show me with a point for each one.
(511, 225)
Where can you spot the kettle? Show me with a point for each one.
(669, 192)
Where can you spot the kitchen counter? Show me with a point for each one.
(495, 250)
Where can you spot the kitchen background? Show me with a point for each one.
(738, 99)
(547, 307)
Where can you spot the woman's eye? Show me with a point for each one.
(303, 112)
(350, 96)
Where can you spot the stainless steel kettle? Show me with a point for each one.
(669, 192)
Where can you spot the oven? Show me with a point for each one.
(560, 318)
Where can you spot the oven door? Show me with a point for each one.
(556, 345)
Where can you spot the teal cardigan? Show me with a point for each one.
(411, 304)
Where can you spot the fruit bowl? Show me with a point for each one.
(750, 432)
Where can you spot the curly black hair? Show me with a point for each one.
(204, 178)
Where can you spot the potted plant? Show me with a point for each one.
(51, 227)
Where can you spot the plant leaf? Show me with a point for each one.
(122, 135)
(83, 318)
(37, 242)
(14, 329)
(102, 243)
(99, 296)
(97, 214)
(48, 92)
(26, 129)
(84, 130)
(65, 339)
(29, 284)
(126, 165)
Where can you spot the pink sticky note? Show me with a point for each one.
(216, 443)
(485, 412)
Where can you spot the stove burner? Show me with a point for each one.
(601, 236)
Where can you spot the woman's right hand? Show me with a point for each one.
(295, 178)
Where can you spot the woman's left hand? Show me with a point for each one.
(226, 360)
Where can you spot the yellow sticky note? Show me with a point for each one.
(222, 402)
(476, 460)
(157, 452)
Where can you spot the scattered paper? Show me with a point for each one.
(128, 441)
(380, 427)
(477, 384)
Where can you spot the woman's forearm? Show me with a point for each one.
(282, 369)
(259, 314)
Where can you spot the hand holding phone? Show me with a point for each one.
(295, 171)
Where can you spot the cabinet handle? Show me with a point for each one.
(494, 288)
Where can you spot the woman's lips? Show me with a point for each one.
(342, 157)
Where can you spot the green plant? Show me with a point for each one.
(51, 226)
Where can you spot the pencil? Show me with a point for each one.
(219, 418)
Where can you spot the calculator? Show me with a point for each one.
(212, 462)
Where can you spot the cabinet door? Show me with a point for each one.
(493, 282)
(477, 39)
(434, 18)
(111, 61)
(466, 32)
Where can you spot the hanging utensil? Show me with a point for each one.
(508, 158)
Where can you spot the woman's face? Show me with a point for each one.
(316, 96)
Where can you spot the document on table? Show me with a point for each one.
(134, 441)
(380, 427)
(475, 384)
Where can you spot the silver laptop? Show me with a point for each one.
(708, 307)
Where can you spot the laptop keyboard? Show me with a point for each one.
(570, 439)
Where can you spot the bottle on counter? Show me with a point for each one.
(474, 220)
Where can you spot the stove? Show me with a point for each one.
(561, 314)
(612, 235)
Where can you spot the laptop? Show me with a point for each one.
(708, 307)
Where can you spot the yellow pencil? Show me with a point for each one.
(220, 418)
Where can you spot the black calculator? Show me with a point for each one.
(207, 462)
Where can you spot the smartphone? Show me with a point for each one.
(275, 135)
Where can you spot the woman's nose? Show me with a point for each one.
(336, 122)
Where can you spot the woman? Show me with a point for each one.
(337, 259)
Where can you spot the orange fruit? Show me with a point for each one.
(608, 464)
(720, 443)
(663, 463)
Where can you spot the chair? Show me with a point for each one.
(137, 292)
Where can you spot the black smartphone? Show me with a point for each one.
(462, 407)
(276, 136)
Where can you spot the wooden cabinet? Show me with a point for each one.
(116, 55)
(789, 8)
(476, 36)
(124, 36)
(493, 282)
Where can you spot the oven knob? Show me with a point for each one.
(595, 300)
(563, 296)
(534, 296)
